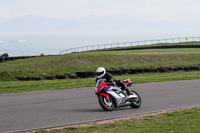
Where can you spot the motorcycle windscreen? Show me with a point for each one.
(99, 82)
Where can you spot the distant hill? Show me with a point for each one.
(90, 23)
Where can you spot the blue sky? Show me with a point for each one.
(185, 12)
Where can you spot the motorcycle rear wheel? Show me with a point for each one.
(107, 105)
(136, 103)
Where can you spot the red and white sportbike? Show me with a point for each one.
(111, 97)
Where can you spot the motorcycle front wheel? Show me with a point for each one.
(107, 105)
(136, 103)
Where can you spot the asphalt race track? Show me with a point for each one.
(26, 111)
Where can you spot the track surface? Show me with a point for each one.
(36, 110)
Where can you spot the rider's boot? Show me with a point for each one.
(130, 95)
(128, 91)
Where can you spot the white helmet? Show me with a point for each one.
(100, 72)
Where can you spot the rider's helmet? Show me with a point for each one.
(100, 72)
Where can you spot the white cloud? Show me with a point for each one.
(181, 11)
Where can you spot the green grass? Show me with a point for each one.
(89, 61)
(42, 85)
(185, 121)
(159, 50)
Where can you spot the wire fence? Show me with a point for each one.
(128, 44)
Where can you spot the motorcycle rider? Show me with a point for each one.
(101, 73)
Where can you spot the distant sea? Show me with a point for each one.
(27, 44)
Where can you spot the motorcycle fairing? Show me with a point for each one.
(110, 89)
(100, 86)
(114, 88)
(119, 97)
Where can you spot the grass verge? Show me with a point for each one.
(185, 121)
(90, 61)
(42, 85)
(159, 50)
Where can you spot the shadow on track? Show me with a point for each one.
(87, 110)
(101, 110)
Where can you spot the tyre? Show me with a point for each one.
(136, 103)
(107, 105)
